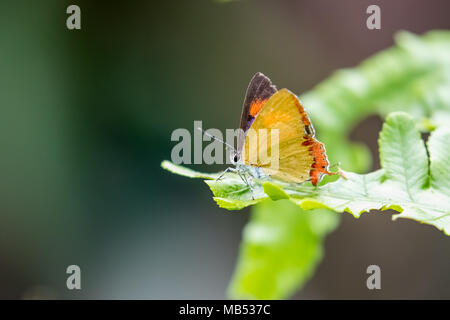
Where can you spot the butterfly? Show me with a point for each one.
(301, 157)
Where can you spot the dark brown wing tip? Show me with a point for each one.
(260, 74)
(262, 77)
(259, 90)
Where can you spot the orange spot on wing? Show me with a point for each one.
(256, 106)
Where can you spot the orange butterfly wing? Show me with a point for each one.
(300, 156)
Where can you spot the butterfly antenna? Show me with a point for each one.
(217, 139)
(336, 165)
(342, 174)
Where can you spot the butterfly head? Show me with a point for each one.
(235, 157)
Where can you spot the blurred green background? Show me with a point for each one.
(86, 118)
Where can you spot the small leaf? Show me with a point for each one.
(274, 192)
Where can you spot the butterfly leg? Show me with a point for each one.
(243, 178)
(241, 175)
(225, 171)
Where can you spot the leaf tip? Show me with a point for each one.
(274, 192)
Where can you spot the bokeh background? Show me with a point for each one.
(86, 118)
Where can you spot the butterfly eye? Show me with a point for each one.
(234, 158)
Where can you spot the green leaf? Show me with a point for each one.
(280, 249)
(403, 154)
(413, 76)
(406, 182)
(439, 147)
